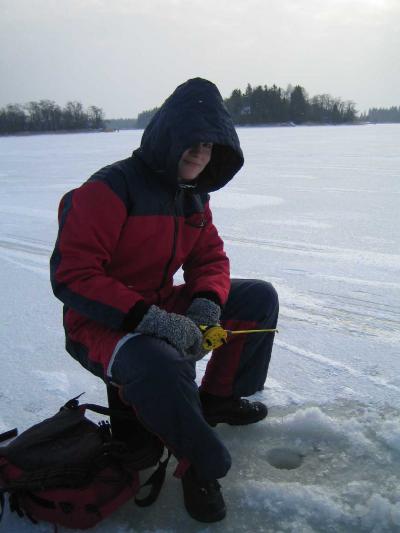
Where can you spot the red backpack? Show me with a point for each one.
(67, 470)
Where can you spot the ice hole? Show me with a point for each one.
(284, 458)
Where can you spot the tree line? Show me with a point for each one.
(271, 105)
(382, 115)
(264, 105)
(253, 106)
(46, 115)
(138, 123)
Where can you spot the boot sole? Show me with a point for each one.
(233, 421)
(208, 519)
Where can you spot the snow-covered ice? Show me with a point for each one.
(315, 210)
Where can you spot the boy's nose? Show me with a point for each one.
(197, 148)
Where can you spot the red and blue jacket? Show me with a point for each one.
(126, 231)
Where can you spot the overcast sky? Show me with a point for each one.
(128, 55)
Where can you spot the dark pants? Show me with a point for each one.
(160, 384)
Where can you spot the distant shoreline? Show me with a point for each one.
(51, 132)
(293, 125)
(267, 125)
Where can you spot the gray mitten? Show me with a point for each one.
(204, 312)
(178, 330)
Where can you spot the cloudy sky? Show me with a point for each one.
(128, 55)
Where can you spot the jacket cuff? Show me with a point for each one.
(134, 315)
(210, 296)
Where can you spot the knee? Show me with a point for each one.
(270, 295)
(264, 297)
(251, 299)
(166, 364)
(150, 360)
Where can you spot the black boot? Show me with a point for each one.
(230, 410)
(145, 447)
(203, 499)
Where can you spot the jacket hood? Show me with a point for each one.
(195, 112)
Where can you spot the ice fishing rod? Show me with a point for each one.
(216, 336)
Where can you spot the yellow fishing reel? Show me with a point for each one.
(216, 336)
(213, 337)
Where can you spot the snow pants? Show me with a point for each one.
(159, 383)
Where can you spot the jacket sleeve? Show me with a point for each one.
(206, 270)
(91, 219)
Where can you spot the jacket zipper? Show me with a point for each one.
(176, 227)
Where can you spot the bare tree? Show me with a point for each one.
(96, 117)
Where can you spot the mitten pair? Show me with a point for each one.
(182, 331)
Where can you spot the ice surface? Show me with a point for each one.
(316, 212)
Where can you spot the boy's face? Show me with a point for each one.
(194, 160)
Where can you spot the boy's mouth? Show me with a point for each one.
(189, 162)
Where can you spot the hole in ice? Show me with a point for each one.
(284, 458)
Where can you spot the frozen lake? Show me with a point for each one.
(316, 211)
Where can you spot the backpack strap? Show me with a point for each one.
(155, 482)
(100, 409)
(109, 412)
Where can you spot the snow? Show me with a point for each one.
(315, 211)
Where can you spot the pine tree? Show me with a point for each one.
(298, 106)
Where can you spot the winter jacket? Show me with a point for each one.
(126, 231)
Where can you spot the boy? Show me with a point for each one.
(123, 235)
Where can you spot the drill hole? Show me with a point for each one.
(284, 458)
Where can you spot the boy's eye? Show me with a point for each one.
(207, 145)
